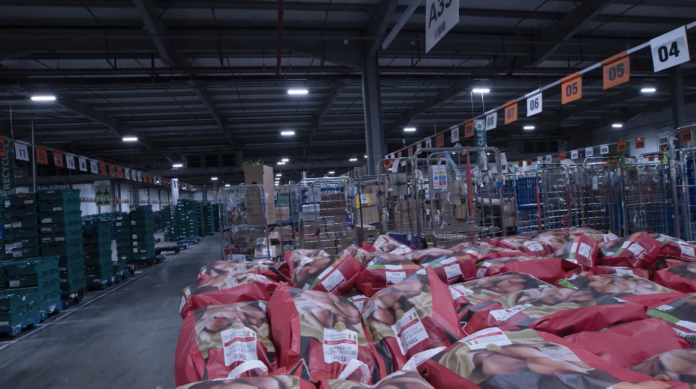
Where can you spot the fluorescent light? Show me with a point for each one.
(285, 160)
(648, 90)
(297, 91)
(281, 163)
(227, 185)
(617, 125)
(213, 178)
(332, 172)
(528, 127)
(279, 175)
(178, 165)
(353, 159)
(130, 139)
(43, 98)
(287, 133)
(366, 156)
(481, 90)
(410, 129)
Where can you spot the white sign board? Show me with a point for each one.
(70, 161)
(492, 121)
(140, 177)
(94, 167)
(540, 159)
(589, 152)
(21, 152)
(439, 173)
(534, 104)
(82, 162)
(574, 154)
(440, 17)
(428, 143)
(420, 145)
(670, 49)
(549, 159)
(455, 134)
(126, 173)
(604, 149)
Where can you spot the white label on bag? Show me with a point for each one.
(559, 353)
(481, 340)
(453, 271)
(359, 301)
(504, 314)
(340, 346)
(686, 324)
(687, 251)
(449, 260)
(394, 277)
(459, 290)
(239, 345)
(637, 250)
(231, 282)
(393, 267)
(334, 281)
(534, 246)
(409, 330)
(624, 270)
(480, 273)
(585, 250)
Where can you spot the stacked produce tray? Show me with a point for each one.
(135, 241)
(189, 220)
(169, 223)
(20, 234)
(97, 249)
(208, 219)
(60, 232)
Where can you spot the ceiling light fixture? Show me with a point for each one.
(279, 175)
(281, 163)
(227, 185)
(410, 129)
(178, 165)
(481, 90)
(366, 156)
(130, 139)
(213, 178)
(43, 98)
(296, 92)
(332, 172)
(285, 160)
(617, 125)
(648, 90)
(528, 127)
(353, 159)
(287, 133)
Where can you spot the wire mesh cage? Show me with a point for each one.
(601, 194)
(243, 213)
(288, 204)
(686, 193)
(326, 216)
(645, 194)
(397, 210)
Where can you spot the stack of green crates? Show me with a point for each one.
(170, 223)
(189, 219)
(20, 233)
(36, 278)
(60, 228)
(135, 240)
(97, 249)
(19, 307)
(216, 217)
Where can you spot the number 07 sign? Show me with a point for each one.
(670, 49)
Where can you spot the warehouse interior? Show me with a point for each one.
(230, 156)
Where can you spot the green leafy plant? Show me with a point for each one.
(253, 163)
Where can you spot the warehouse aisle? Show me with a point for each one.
(123, 339)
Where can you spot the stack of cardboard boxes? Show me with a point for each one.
(261, 175)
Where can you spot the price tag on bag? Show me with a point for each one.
(670, 49)
(534, 103)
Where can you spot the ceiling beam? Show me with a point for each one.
(330, 99)
(564, 29)
(379, 24)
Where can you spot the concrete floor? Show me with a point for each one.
(123, 337)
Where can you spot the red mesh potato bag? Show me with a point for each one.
(638, 251)
(582, 251)
(396, 380)
(621, 270)
(627, 287)
(332, 274)
(324, 330)
(524, 359)
(675, 365)
(216, 339)
(485, 251)
(558, 311)
(492, 267)
(454, 268)
(597, 235)
(681, 315)
(414, 315)
(225, 289)
(618, 344)
(276, 272)
(555, 238)
(675, 248)
(522, 243)
(548, 269)
(680, 277)
(381, 272)
(271, 382)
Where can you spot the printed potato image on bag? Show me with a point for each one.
(396, 380)
(638, 251)
(225, 289)
(467, 294)
(597, 235)
(387, 244)
(276, 272)
(485, 251)
(522, 243)
(491, 267)
(326, 332)
(524, 359)
(681, 277)
(558, 311)
(675, 248)
(332, 274)
(675, 365)
(642, 273)
(681, 314)
(415, 315)
(381, 273)
(216, 340)
(454, 268)
(422, 255)
(546, 269)
(272, 382)
(628, 287)
(582, 251)
(618, 344)
(556, 238)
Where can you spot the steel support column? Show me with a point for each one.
(372, 102)
(676, 86)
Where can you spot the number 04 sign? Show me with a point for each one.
(670, 49)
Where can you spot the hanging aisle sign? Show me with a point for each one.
(440, 139)
(428, 143)
(604, 149)
(540, 159)
(455, 134)
(70, 161)
(41, 155)
(469, 128)
(510, 112)
(589, 152)
(534, 103)
(561, 156)
(621, 147)
(571, 88)
(126, 173)
(94, 167)
(480, 131)
(549, 158)
(21, 152)
(639, 143)
(574, 154)
(617, 70)
(82, 164)
(440, 17)
(58, 158)
(492, 120)
(670, 49)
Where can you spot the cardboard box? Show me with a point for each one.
(283, 213)
(286, 232)
(263, 252)
(366, 234)
(367, 215)
(274, 237)
(254, 208)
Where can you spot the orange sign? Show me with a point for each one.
(57, 158)
(617, 70)
(571, 88)
(529, 162)
(410, 151)
(651, 159)
(614, 162)
(510, 111)
(3, 149)
(119, 172)
(41, 155)
(469, 128)
(102, 168)
(606, 164)
(440, 140)
(685, 135)
(621, 147)
(112, 170)
(520, 163)
(640, 143)
(561, 156)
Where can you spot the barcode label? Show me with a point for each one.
(440, 29)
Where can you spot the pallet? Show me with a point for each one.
(73, 299)
(175, 249)
(188, 241)
(98, 285)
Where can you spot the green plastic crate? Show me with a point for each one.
(22, 242)
(73, 286)
(59, 205)
(124, 243)
(29, 295)
(20, 199)
(31, 266)
(22, 222)
(72, 264)
(142, 230)
(60, 217)
(62, 248)
(100, 240)
(64, 260)
(20, 233)
(22, 253)
(45, 282)
(96, 228)
(3, 281)
(10, 301)
(61, 236)
(61, 227)
(57, 194)
(125, 257)
(17, 211)
(17, 316)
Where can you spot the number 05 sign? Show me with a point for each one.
(670, 49)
